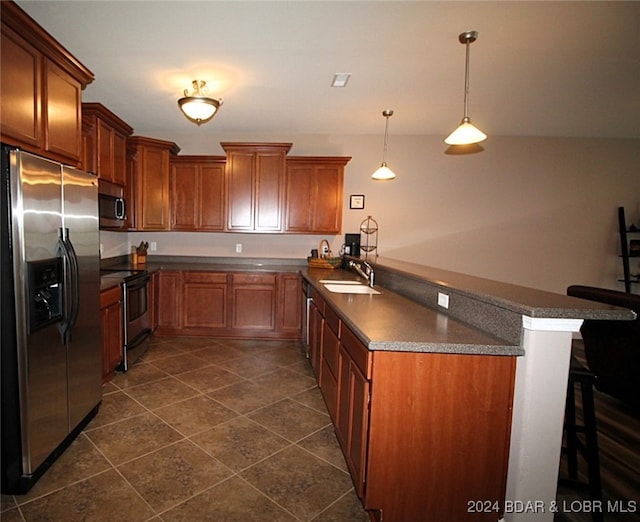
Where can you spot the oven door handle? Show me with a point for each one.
(138, 282)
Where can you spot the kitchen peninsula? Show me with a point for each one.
(434, 407)
(479, 400)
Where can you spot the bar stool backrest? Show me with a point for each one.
(612, 348)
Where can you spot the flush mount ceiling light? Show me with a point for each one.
(384, 172)
(196, 106)
(466, 133)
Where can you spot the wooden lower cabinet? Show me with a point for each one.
(250, 305)
(289, 304)
(169, 303)
(204, 300)
(422, 433)
(111, 325)
(253, 302)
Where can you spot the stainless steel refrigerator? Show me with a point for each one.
(50, 324)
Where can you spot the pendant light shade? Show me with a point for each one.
(466, 133)
(197, 107)
(384, 172)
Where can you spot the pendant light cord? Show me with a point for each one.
(387, 114)
(466, 83)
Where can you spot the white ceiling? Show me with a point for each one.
(537, 68)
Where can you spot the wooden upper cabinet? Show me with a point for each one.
(314, 188)
(149, 180)
(61, 112)
(104, 143)
(41, 90)
(21, 89)
(197, 194)
(255, 175)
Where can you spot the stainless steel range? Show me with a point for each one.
(135, 311)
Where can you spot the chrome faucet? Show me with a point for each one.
(367, 273)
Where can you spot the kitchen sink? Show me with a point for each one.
(350, 288)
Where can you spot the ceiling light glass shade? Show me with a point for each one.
(383, 173)
(197, 107)
(465, 134)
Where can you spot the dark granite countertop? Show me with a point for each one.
(225, 264)
(528, 301)
(389, 321)
(107, 282)
(395, 320)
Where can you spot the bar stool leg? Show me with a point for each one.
(591, 440)
(570, 431)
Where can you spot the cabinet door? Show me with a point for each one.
(111, 325)
(169, 291)
(152, 187)
(210, 210)
(153, 301)
(184, 196)
(353, 417)
(204, 300)
(299, 197)
(290, 304)
(240, 191)
(269, 183)
(315, 338)
(62, 112)
(105, 168)
(197, 196)
(254, 302)
(327, 209)
(21, 88)
(328, 374)
(314, 195)
(119, 158)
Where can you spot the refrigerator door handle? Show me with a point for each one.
(72, 290)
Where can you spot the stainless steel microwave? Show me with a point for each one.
(112, 205)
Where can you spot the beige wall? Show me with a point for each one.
(539, 212)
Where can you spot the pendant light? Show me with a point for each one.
(466, 133)
(384, 172)
(196, 106)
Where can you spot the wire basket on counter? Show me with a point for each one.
(325, 260)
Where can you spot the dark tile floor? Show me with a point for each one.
(202, 429)
(225, 431)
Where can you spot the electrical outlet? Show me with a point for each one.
(238, 248)
(443, 300)
(153, 246)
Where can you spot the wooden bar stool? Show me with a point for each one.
(582, 439)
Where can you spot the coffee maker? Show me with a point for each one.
(352, 244)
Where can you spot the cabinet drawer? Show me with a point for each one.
(254, 279)
(110, 296)
(357, 350)
(205, 277)
(332, 320)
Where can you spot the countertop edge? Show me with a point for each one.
(527, 301)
